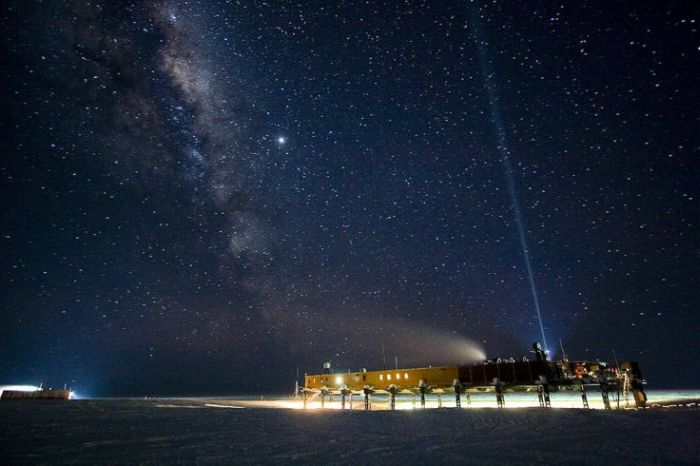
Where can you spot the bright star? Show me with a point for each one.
(281, 140)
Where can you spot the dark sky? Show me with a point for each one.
(199, 197)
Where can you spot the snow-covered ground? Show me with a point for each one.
(488, 400)
(228, 430)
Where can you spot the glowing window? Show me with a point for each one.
(381, 376)
(388, 376)
(338, 380)
(405, 375)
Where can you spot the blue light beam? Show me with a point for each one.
(488, 75)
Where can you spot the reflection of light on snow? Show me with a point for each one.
(18, 388)
(215, 405)
(482, 401)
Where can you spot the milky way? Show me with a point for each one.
(200, 197)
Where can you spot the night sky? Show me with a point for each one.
(198, 197)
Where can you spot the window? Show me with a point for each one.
(388, 376)
(405, 375)
(381, 376)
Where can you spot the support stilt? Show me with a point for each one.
(540, 395)
(393, 390)
(545, 395)
(606, 396)
(500, 397)
(459, 388)
(305, 399)
(469, 399)
(640, 398)
(543, 392)
(342, 402)
(584, 396)
(367, 391)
